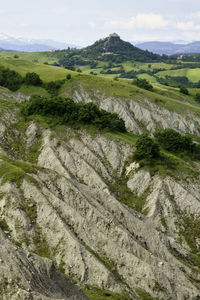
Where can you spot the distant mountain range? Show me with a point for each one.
(170, 48)
(9, 43)
(30, 45)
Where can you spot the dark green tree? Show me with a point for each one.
(32, 78)
(173, 141)
(68, 77)
(184, 90)
(143, 83)
(146, 148)
(10, 79)
(53, 87)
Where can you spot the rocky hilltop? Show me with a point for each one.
(74, 205)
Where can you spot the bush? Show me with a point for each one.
(197, 97)
(10, 79)
(32, 79)
(144, 84)
(146, 148)
(72, 68)
(68, 77)
(184, 90)
(173, 141)
(169, 139)
(53, 87)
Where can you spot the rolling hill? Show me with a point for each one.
(111, 48)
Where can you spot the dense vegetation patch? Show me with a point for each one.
(68, 112)
(10, 79)
(53, 87)
(143, 84)
(173, 141)
(146, 147)
(32, 79)
(176, 81)
(152, 153)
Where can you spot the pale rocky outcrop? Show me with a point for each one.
(141, 113)
(70, 211)
(96, 239)
(25, 275)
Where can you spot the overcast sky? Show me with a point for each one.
(81, 22)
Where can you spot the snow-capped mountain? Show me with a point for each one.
(30, 45)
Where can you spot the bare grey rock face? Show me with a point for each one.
(141, 113)
(69, 210)
(80, 224)
(25, 275)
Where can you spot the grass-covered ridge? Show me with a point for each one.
(95, 293)
(165, 96)
(46, 72)
(14, 170)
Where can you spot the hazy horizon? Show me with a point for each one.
(82, 23)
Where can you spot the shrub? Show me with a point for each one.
(10, 79)
(146, 148)
(184, 90)
(32, 79)
(53, 87)
(173, 141)
(169, 139)
(68, 77)
(144, 84)
(72, 68)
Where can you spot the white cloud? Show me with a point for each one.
(140, 21)
(92, 24)
(149, 21)
(191, 36)
(190, 25)
(195, 15)
(23, 25)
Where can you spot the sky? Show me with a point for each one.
(81, 22)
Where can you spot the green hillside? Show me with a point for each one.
(36, 57)
(46, 72)
(165, 95)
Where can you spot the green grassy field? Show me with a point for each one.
(128, 66)
(39, 57)
(148, 77)
(193, 75)
(179, 72)
(47, 73)
(165, 96)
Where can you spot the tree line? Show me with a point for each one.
(167, 139)
(68, 112)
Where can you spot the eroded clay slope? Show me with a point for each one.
(69, 210)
